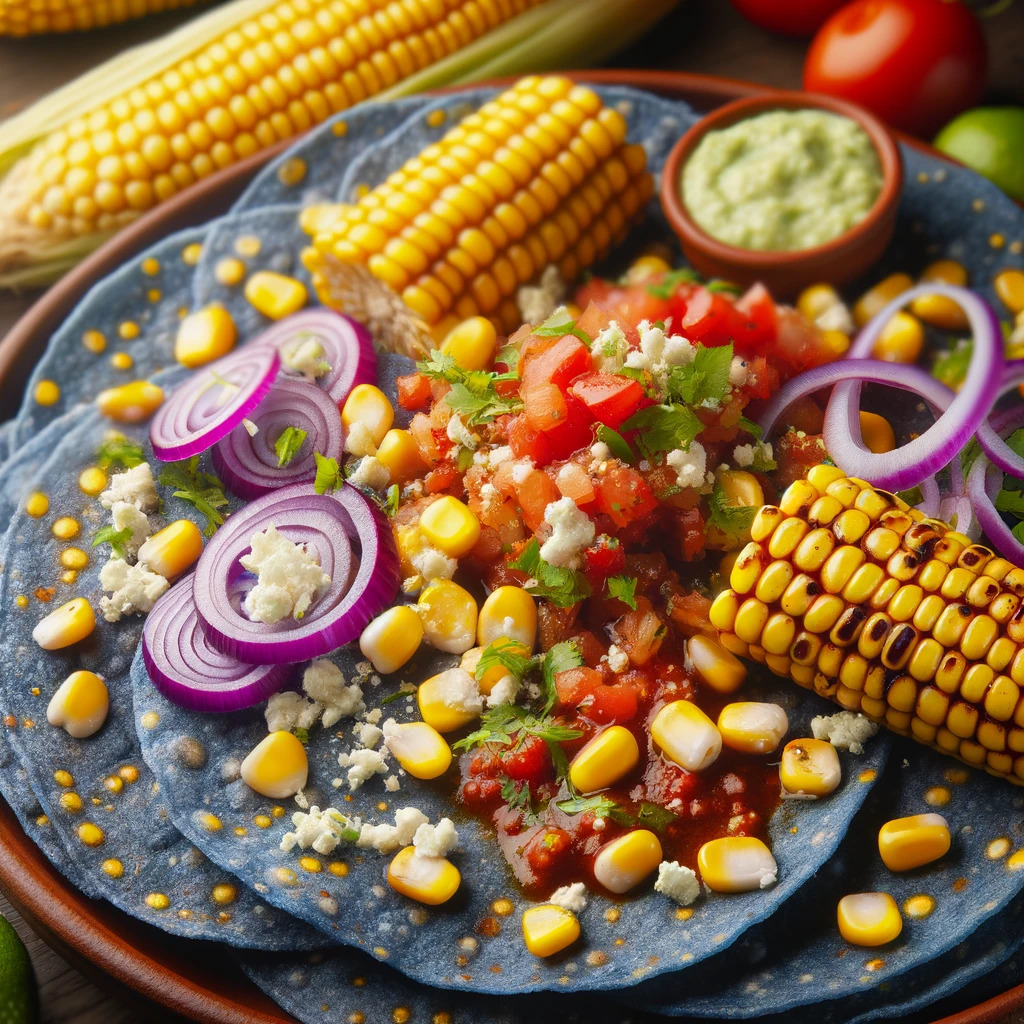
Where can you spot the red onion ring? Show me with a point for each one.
(925, 455)
(247, 464)
(991, 443)
(363, 583)
(202, 410)
(188, 671)
(347, 347)
(983, 481)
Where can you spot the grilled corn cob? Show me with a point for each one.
(32, 17)
(93, 156)
(849, 592)
(540, 175)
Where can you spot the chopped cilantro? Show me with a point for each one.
(392, 500)
(654, 817)
(200, 489)
(663, 428)
(328, 476)
(705, 380)
(117, 539)
(562, 587)
(602, 807)
(118, 449)
(508, 355)
(519, 798)
(499, 725)
(642, 377)
(750, 427)
(464, 459)
(397, 695)
(560, 324)
(718, 285)
(624, 588)
(288, 444)
(473, 395)
(731, 519)
(666, 287)
(762, 463)
(1011, 502)
(912, 495)
(302, 735)
(506, 653)
(951, 366)
(616, 442)
(561, 656)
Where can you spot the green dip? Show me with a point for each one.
(783, 180)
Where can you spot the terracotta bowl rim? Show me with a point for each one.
(692, 235)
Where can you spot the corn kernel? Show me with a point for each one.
(277, 767)
(817, 299)
(508, 611)
(47, 392)
(809, 767)
(275, 295)
(872, 301)
(548, 929)
(1009, 285)
(172, 550)
(392, 638)
(736, 864)
(869, 918)
(449, 616)
(625, 862)
(877, 432)
(451, 526)
(420, 749)
(92, 481)
(205, 335)
(429, 880)
(79, 705)
(716, 666)
(686, 735)
(940, 310)
(752, 727)
(400, 454)
(65, 625)
(610, 755)
(907, 843)
(471, 343)
(130, 403)
(369, 406)
(435, 709)
(901, 340)
(37, 505)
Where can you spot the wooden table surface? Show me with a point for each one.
(705, 36)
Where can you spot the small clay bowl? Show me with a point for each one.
(785, 273)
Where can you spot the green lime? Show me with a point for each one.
(18, 995)
(990, 140)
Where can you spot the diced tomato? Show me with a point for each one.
(688, 610)
(762, 378)
(665, 782)
(800, 343)
(614, 703)
(480, 794)
(625, 496)
(526, 442)
(640, 632)
(606, 558)
(758, 327)
(627, 305)
(545, 849)
(795, 455)
(543, 404)
(576, 431)
(413, 391)
(689, 531)
(609, 398)
(528, 761)
(555, 624)
(574, 684)
(709, 318)
(573, 481)
(560, 362)
(591, 649)
(442, 478)
(534, 492)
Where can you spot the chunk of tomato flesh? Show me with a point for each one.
(576, 431)
(609, 398)
(574, 684)
(558, 363)
(614, 703)
(413, 391)
(533, 494)
(529, 761)
(625, 496)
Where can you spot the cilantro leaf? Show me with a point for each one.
(464, 459)
(508, 355)
(666, 287)
(705, 380)
(562, 587)
(328, 476)
(394, 497)
(473, 395)
(731, 519)
(559, 324)
(117, 539)
(288, 444)
(624, 588)
(664, 428)
(718, 285)
(118, 449)
(506, 653)
(202, 490)
(654, 817)
(302, 735)
(616, 442)
(912, 495)
(561, 656)
(1010, 502)
(750, 427)
(951, 367)
(518, 796)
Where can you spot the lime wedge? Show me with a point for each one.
(18, 993)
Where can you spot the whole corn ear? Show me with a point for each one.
(94, 155)
(539, 176)
(849, 592)
(32, 17)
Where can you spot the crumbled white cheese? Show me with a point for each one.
(836, 318)
(845, 730)
(387, 838)
(288, 711)
(537, 302)
(747, 454)
(369, 735)
(134, 486)
(289, 577)
(490, 497)
(391, 784)
(504, 691)
(459, 433)
(359, 440)
(133, 588)
(459, 691)
(738, 372)
(372, 473)
(491, 458)
(304, 355)
(570, 897)
(435, 840)
(618, 659)
(363, 764)
(609, 349)
(521, 469)
(374, 716)
(432, 563)
(572, 531)
(321, 830)
(128, 517)
(600, 452)
(324, 683)
(690, 465)
(677, 882)
(251, 428)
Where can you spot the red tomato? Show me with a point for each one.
(573, 684)
(527, 442)
(606, 558)
(576, 431)
(413, 391)
(626, 304)
(624, 496)
(790, 17)
(558, 362)
(529, 761)
(915, 63)
(758, 329)
(609, 398)
(709, 317)
(615, 703)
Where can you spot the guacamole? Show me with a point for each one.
(783, 180)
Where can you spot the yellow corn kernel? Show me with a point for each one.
(173, 549)
(37, 504)
(400, 454)
(823, 476)
(369, 406)
(130, 403)
(92, 481)
(392, 638)
(277, 767)
(716, 666)
(205, 335)
(901, 340)
(877, 432)
(47, 392)
(643, 268)
(419, 748)
(750, 620)
(275, 295)
(810, 767)
(508, 611)
(429, 880)
(435, 705)
(939, 310)
(736, 864)
(817, 299)
(65, 625)
(548, 929)
(786, 537)
(625, 862)
(752, 726)
(1009, 285)
(686, 735)
(869, 918)
(798, 497)
(449, 616)
(451, 526)
(471, 343)
(80, 705)
(774, 581)
(872, 301)
(722, 614)
(907, 843)
(836, 343)
(610, 755)
(493, 675)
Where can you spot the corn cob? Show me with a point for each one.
(33, 17)
(849, 592)
(540, 175)
(93, 156)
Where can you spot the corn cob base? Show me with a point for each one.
(852, 594)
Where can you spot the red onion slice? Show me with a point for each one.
(983, 482)
(188, 671)
(363, 581)
(988, 433)
(346, 343)
(211, 403)
(247, 464)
